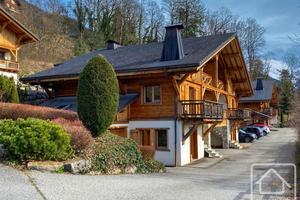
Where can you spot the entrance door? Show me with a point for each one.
(194, 146)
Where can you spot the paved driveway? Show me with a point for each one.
(224, 179)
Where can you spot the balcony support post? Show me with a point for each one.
(205, 133)
(192, 130)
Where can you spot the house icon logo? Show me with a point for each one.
(275, 176)
(273, 181)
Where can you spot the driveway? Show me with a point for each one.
(227, 178)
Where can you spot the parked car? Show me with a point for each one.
(246, 137)
(259, 132)
(265, 127)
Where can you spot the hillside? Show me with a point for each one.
(54, 31)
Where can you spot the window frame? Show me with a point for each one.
(153, 102)
(156, 139)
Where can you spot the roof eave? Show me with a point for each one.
(174, 68)
(33, 37)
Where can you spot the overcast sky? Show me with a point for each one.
(280, 18)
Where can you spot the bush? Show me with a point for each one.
(97, 95)
(152, 166)
(34, 139)
(15, 111)
(147, 152)
(111, 152)
(81, 138)
(8, 90)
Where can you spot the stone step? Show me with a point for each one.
(212, 153)
(235, 145)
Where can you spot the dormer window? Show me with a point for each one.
(152, 94)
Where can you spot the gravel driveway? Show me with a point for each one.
(226, 178)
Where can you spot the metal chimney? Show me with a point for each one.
(111, 44)
(259, 84)
(172, 46)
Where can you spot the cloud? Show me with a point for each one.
(276, 66)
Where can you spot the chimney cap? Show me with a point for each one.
(178, 26)
(113, 41)
(111, 45)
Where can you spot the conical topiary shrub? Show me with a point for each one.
(97, 95)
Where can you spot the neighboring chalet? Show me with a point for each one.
(172, 93)
(12, 36)
(264, 102)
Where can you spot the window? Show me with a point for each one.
(145, 137)
(161, 138)
(152, 94)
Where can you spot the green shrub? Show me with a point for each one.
(8, 90)
(152, 166)
(34, 139)
(97, 95)
(111, 152)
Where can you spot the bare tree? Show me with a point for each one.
(220, 21)
(153, 23)
(251, 35)
(293, 63)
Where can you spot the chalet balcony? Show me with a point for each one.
(239, 114)
(9, 65)
(269, 111)
(201, 109)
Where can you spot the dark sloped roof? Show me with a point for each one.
(144, 57)
(260, 95)
(260, 115)
(70, 103)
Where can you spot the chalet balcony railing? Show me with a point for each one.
(201, 109)
(238, 114)
(7, 64)
(269, 111)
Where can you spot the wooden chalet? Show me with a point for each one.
(264, 102)
(173, 94)
(12, 36)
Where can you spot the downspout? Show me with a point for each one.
(175, 123)
(175, 126)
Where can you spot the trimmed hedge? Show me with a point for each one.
(15, 111)
(34, 139)
(111, 153)
(81, 138)
(8, 90)
(97, 95)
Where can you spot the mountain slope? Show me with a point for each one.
(55, 33)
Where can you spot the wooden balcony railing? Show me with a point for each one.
(201, 109)
(10, 65)
(238, 114)
(269, 111)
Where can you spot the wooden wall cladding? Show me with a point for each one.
(140, 110)
(8, 39)
(65, 88)
(120, 131)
